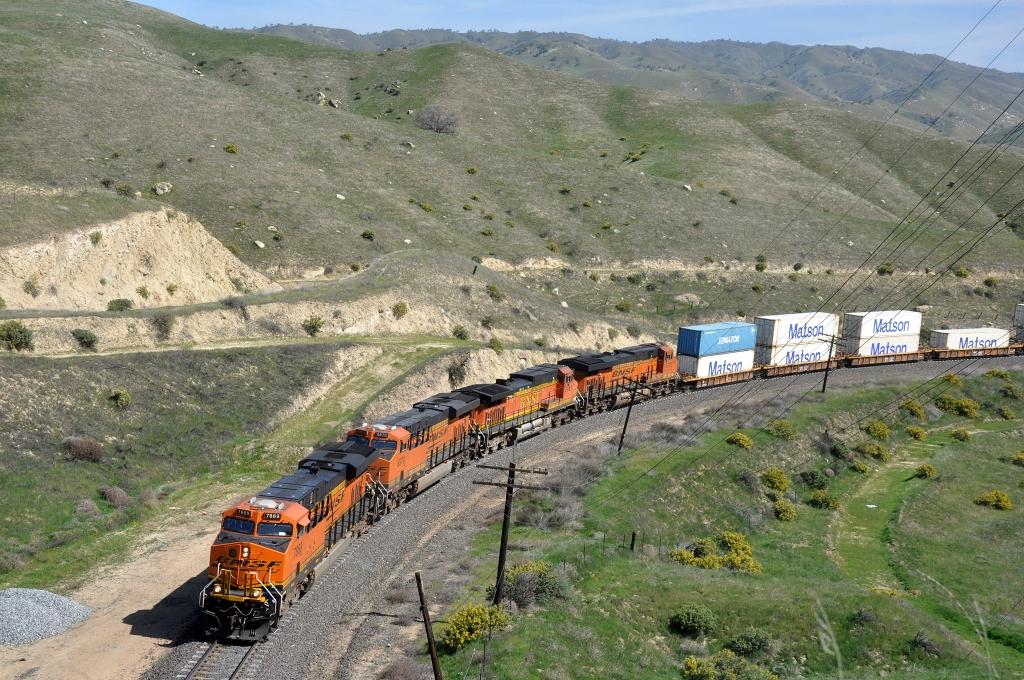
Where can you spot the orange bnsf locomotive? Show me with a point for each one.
(269, 547)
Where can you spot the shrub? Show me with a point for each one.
(540, 342)
(916, 432)
(998, 373)
(95, 237)
(876, 451)
(15, 336)
(785, 511)
(553, 247)
(1006, 413)
(83, 448)
(85, 339)
(886, 269)
(995, 498)
(693, 621)
(750, 642)
(914, 408)
(876, 429)
(31, 288)
(926, 471)
(612, 334)
(313, 325)
(426, 207)
(990, 282)
(496, 345)
(436, 119)
(534, 581)
(460, 332)
(633, 331)
(456, 374)
(781, 428)
(775, 478)
(1018, 459)
(961, 435)
(470, 622)
(172, 288)
(472, 170)
(119, 305)
(703, 553)
(760, 266)
(120, 398)
(741, 440)
(143, 292)
(116, 496)
(724, 665)
(124, 189)
(163, 324)
(355, 266)
(367, 236)
(798, 266)
(494, 292)
(962, 272)
(953, 379)
(87, 508)
(1010, 391)
(822, 499)
(399, 309)
(231, 148)
(861, 467)
(814, 479)
(623, 306)
(3, 303)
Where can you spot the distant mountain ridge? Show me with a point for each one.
(872, 81)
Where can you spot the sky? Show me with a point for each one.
(910, 25)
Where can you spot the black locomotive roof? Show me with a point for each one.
(456, 404)
(349, 457)
(415, 420)
(646, 351)
(306, 487)
(488, 394)
(537, 375)
(592, 363)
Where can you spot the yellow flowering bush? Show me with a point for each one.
(470, 622)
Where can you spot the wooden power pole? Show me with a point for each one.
(434, 661)
(506, 520)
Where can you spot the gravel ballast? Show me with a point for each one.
(27, 615)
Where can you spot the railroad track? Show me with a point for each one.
(220, 661)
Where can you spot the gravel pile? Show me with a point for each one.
(28, 615)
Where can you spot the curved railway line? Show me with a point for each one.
(336, 632)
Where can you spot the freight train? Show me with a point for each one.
(270, 547)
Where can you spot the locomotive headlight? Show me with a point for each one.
(217, 588)
(245, 552)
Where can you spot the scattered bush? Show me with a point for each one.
(995, 498)
(231, 148)
(456, 374)
(861, 467)
(143, 292)
(703, 553)
(472, 170)
(540, 342)
(886, 269)
(460, 332)
(925, 645)
(313, 325)
(876, 451)
(814, 479)
(3, 303)
(785, 511)
(436, 119)
(633, 331)
(798, 266)
(962, 272)
(775, 478)
(95, 237)
(83, 448)
(119, 305)
(781, 428)
(163, 324)
(914, 408)
(953, 379)
(693, 621)
(623, 306)
(31, 288)
(876, 429)
(990, 282)
(998, 373)
(496, 345)
(760, 266)
(124, 189)
(426, 207)
(724, 665)
(534, 581)
(741, 440)
(968, 408)
(1010, 391)
(172, 288)
(367, 236)
(750, 642)
(821, 499)
(15, 336)
(961, 435)
(916, 432)
(494, 292)
(926, 471)
(470, 622)
(116, 496)
(612, 334)
(120, 398)
(87, 508)
(399, 309)
(1018, 459)
(85, 339)
(1006, 413)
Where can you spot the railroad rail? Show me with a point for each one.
(220, 661)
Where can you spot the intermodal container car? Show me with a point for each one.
(970, 338)
(882, 345)
(780, 330)
(713, 365)
(862, 326)
(787, 355)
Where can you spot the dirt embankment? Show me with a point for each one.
(152, 258)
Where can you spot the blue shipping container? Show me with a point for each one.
(716, 338)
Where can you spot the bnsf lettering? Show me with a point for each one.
(977, 343)
(723, 366)
(802, 357)
(800, 331)
(890, 326)
(887, 347)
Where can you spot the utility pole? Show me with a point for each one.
(506, 520)
(629, 410)
(828, 364)
(434, 661)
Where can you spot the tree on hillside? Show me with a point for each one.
(436, 119)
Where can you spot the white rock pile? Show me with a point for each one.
(27, 615)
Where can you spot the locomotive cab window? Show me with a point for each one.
(274, 529)
(238, 525)
(384, 445)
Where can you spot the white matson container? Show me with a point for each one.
(712, 365)
(882, 345)
(789, 329)
(874, 325)
(970, 338)
(788, 355)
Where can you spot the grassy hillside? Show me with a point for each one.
(106, 91)
(874, 80)
(897, 576)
